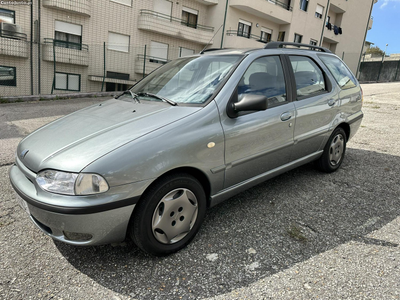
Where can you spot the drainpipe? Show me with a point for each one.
(365, 36)
(38, 28)
(223, 27)
(323, 22)
(31, 49)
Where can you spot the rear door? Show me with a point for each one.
(316, 105)
(257, 142)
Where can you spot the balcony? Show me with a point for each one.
(152, 63)
(330, 36)
(279, 12)
(208, 2)
(338, 6)
(160, 23)
(66, 52)
(235, 39)
(82, 7)
(13, 44)
(370, 23)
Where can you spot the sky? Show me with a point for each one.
(386, 29)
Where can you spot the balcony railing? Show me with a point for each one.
(281, 4)
(148, 64)
(78, 6)
(66, 52)
(153, 59)
(146, 12)
(13, 35)
(65, 44)
(13, 44)
(248, 36)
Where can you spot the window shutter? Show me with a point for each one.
(68, 28)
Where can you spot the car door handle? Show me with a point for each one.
(331, 102)
(286, 116)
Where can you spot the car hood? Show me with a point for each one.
(74, 141)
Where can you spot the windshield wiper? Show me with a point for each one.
(157, 97)
(129, 92)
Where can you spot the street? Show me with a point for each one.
(301, 235)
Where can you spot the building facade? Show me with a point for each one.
(63, 46)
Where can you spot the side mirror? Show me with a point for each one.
(251, 102)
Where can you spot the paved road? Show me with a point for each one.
(302, 235)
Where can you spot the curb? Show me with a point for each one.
(14, 99)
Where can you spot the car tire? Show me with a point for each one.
(334, 152)
(169, 214)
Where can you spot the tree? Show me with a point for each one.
(375, 51)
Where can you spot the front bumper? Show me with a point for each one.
(77, 220)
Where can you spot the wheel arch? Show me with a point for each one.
(346, 128)
(196, 173)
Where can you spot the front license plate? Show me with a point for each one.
(23, 204)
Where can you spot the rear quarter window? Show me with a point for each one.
(343, 76)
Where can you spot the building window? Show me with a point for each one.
(163, 7)
(7, 16)
(125, 2)
(68, 82)
(118, 42)
(297, 38)
(265, 35)
(313, 42)
(244, 28)
(189, 17)
(158, 52)
(68, 35)
(319, 11)
(8, 76)
(185, 52)
(281, 36)
(304, 5)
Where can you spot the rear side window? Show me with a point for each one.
(308, 76)
(342, 74)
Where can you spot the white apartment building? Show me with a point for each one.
(63, 46)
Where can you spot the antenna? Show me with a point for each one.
(202, 51)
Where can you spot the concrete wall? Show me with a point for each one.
(372, 71)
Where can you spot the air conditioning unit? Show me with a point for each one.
(9, 30)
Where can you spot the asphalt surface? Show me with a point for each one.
(302, 235)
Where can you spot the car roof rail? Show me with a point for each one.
(275, 45)
(210, 49)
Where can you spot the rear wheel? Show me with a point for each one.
(169, 215)
(334, 152)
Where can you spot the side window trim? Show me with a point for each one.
(328, 84)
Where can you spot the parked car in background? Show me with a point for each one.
(190, 135)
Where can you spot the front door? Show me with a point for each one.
(260, 141)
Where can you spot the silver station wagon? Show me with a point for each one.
(188, 136)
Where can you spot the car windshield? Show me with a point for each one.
(186, 80)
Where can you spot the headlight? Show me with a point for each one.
(71, 183)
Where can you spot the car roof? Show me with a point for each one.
(270, 46)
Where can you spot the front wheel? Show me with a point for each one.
(169, 215)
(334, 152)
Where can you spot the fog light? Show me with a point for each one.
(75, 236)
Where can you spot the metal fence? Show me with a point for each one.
(59, 67)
